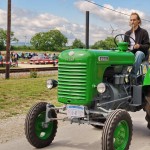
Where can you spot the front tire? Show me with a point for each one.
(117, 131)
(38, 135)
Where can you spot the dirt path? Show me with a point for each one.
(34, 66)
(74, 137)
(12, 128)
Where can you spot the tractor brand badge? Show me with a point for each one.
(71, 58)
(71, 53)
(103, 58)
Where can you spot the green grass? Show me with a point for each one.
(18, 95)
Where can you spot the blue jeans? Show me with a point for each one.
(139, 56)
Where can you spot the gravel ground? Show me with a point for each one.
(25, 74)
(13, 128)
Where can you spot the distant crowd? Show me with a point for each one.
(29, 55)
(15, 56)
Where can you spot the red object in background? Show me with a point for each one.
(42, 60)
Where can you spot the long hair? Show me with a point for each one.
(138, 17)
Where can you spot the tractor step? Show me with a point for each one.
(134, 105)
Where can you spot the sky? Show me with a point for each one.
(33, 16)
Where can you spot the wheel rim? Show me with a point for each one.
(42, 132)
(121, 135)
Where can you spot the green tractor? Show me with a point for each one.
(95, 88)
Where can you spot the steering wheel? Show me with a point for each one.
(122, 37)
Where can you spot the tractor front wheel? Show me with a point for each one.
(38, 134)
(117, 131)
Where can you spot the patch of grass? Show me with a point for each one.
(18, 95)
(33, 74)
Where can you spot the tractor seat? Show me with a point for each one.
(146, 61)
(146, 58)
(145, 64)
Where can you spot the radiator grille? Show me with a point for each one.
(72, 81)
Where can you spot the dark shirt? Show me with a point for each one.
(142, 38)
(1, 58)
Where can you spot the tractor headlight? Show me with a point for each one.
(51, 83)
(101, 88)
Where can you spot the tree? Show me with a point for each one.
(108, 43)
(98, 45)
(52, 40)
(78, 44)
(3, 38)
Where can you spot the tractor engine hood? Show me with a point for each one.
(99, 56)
(81, 70)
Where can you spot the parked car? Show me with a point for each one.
(42, 59)
(27, 55)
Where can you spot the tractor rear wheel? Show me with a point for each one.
(38, 134)
(117, 131)
(147, 109)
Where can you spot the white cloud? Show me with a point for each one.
(3, 15)
(27, 23)
(106, 16)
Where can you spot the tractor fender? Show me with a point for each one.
(147, 78)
